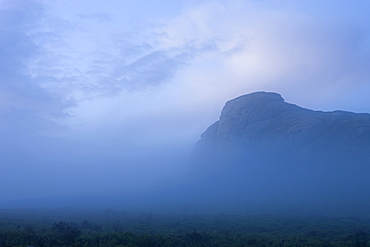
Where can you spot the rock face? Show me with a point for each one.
(264, 121)
(269, 155)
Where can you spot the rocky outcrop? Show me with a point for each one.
(264, 121)
(268, 155)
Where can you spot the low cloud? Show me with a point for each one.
(86, 83)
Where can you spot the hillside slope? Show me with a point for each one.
(264, 122)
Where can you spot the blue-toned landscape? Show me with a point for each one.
(184, 123)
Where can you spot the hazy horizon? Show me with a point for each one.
(108, 100)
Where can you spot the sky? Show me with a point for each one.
(94, 95)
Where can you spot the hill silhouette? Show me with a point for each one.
(266, 153)
(264, 122)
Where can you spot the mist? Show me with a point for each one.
(102, 106)
(277, 181)
(322, 183)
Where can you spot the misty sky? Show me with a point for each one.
(95, 94)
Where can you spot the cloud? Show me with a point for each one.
(100, 83)
(301, 53)
(211, 52)
(101, 17)
(17, 48)
(25, 107)
(196, 61)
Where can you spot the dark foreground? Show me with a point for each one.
(117, 228)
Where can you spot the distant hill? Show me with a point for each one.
(264, 122)
(266, 155)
